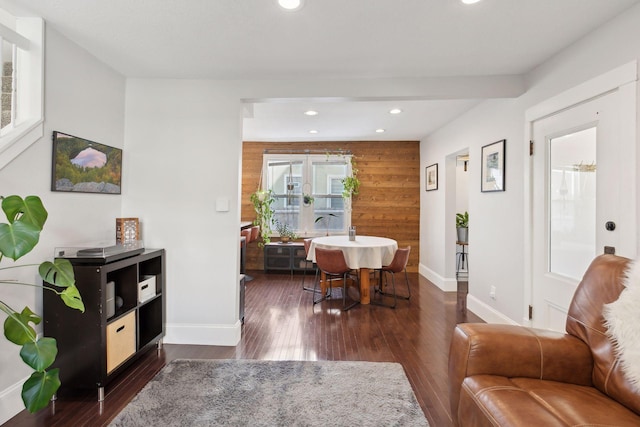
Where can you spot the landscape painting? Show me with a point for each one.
(84, 166)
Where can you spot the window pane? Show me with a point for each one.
(285, 180)
(327, 189)
(572, 207)
(6, 100)
(331, 218)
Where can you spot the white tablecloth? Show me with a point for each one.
(364, 252)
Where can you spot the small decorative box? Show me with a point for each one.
(127, 230)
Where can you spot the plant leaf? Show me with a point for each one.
(28, 211)
(40, 354)
(59, 272)
(38, 390)
(71, 297)
(17, 328)
(18, 239)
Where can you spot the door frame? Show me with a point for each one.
(623, 78)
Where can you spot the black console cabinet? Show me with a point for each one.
(286, 256)
(96, 345)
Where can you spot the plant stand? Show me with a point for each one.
(462, 260)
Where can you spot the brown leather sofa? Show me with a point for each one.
(505, 375)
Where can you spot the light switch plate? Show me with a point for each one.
(222, 204)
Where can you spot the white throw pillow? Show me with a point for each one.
(622, 319)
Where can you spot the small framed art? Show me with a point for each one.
(493, 163)
(431, 177)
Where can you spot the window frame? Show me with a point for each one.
(28, 115)
(307, 218)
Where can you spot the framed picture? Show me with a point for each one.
(493, 177)
(83, 166)
(431, 177)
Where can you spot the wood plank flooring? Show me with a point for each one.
(282, 324)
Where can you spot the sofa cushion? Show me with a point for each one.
(488, 400)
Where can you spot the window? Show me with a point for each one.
(21, 106)
(291, 177)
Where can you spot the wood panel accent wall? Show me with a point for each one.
(389, 201)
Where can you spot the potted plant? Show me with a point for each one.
(326, 220)
(25, 220)
(262, 201)
(307, 199)
(286, 233)
(462, 226)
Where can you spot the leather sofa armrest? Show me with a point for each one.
(515, 351)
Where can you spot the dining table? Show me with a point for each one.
(364, 253)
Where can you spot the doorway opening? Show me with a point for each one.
(458, 165)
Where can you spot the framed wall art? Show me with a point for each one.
(431, 177)
(493, 163)
(84, 166)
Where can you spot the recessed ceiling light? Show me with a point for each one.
(311, 113)
(290, 4)
(379, 130)
(313, 131)
(395, 111)
(469, 1)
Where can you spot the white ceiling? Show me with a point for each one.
(255, 39)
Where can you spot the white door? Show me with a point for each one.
(583, 200)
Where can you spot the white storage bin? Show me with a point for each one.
(147, 288)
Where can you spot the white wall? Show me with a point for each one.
(83, 98)
(184, 149)
(496, 238)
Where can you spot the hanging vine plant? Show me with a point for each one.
(262, 201)
(351, 184)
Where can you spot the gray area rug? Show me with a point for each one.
(275, 393)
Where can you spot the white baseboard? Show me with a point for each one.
(11, 401)
(182, 333)
(445, 284)
(486, 312)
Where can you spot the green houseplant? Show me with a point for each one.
(462, 226)
(285, 232)
(351, 184)
(21, 233)
(326, 219)
(262, 201)
(307, 199)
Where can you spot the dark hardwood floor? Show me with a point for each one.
(282, 324)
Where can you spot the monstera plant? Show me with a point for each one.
(25, 219)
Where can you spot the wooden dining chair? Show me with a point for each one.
(333, 264)
(255, 233)
(397, 265)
